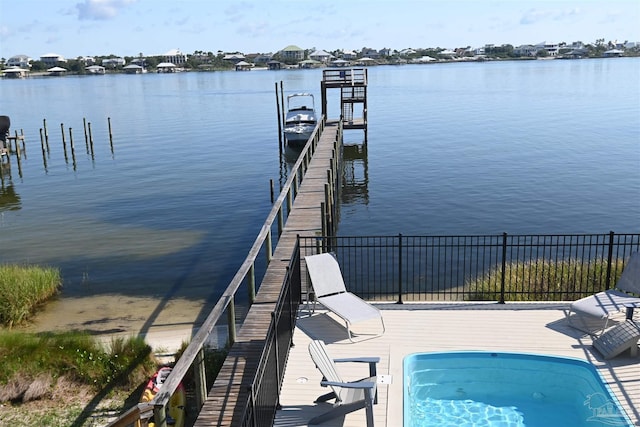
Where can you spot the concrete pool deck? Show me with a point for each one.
(539, 328)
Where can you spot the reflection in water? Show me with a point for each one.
(355, 175)
(355, 171)
(9, 199)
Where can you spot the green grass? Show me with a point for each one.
(542, 280)
(23, 288)
(75, 356)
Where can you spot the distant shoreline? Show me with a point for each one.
(323, 66)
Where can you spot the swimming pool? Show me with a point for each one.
(507, 390)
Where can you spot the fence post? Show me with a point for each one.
(274, 321)
(504, 267)
(399, 269)
(609, 260)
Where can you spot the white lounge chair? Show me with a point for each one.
(330, 291)
(349, 396)
(603, 305)
(617, 340)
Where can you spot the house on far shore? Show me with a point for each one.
(234, 58)
(113, 62)
(52, 59)
(292, 53)
(22, 61)
(174, 56)
(321, 56)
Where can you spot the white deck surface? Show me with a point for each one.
(411, 328)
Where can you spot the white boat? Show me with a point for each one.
(300, 120)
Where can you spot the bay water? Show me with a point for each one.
(148, 228)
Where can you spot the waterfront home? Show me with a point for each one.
(52, 59)
(22, 61)
(321, 56)
(552, 48)
(292, 53)
(174, 56)
(113, 62)
(234, 57)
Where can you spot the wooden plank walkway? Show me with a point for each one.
(231, 386)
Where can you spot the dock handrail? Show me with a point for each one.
(340, 76)
(195, 349)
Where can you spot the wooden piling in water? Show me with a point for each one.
(71, 139)
(64, 141)
(46, 133)
(90, 137)
(280, 139)
(110, 134)
(86, 136)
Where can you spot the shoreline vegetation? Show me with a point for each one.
(201, 62)
(68, 378)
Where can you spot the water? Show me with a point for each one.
(149, 234)
(505, 390)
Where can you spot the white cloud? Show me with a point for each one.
(99, 10)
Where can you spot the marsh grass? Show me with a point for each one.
(33, 364)
(543, 280)
(23, 288)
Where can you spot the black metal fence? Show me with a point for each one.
(490, 267)
(264, 392)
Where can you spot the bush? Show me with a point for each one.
(23, 289)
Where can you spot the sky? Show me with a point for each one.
(74, 28)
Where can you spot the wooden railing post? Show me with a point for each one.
(200, 375)
(268, 247)
(251, 283)
(231, 320)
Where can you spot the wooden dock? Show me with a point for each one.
(225, 400)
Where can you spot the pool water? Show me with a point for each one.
(506, 390)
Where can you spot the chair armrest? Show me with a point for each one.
(355, 384)
(372, 361)
(358, 359)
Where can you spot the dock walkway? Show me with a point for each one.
(230, 388)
